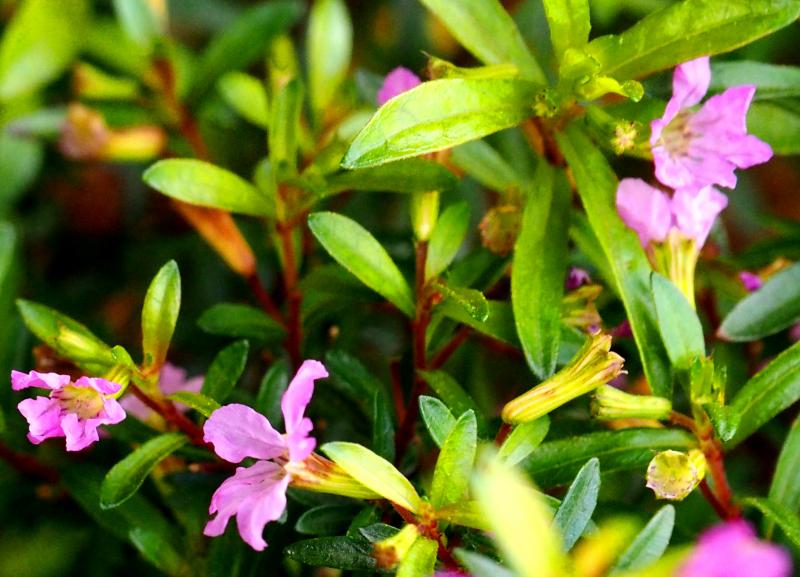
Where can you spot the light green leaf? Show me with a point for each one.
(772, 80)
(20, 162)
(125, 478)
(437, 115)
(487, 166)
(284, 128)
(203, 184)
(241, 321)
(786, 519)
(578, 505)
(225, 370)
(569, 24)
(471, 301)
(778, 123)
(485, 29)
(353, 247)
(454, 465)
(199, 402)
(409, 175)
(498, 325)
(539, 269)
(446, 238)
(160, 314)
(329, 44)
(247, 96)
(597, 186)
(481, 566)
(420, 559)
(784, 491)
(523, 439)
(437, 417)
(139, 20)
(650, 544)
(680, 327)
(374, 472)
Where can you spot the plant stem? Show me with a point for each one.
(263, 298)
(170, 414)
(444, 354)
(294, 297)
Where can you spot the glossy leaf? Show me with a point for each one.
(353, 247)
(772, 308)
(241, 321)
(485, 29)
(160, 314)
(447, 236)
(382, 426)
(247, 96)
(786, 519)
(330, 42)
(470, 301)
(680, 327)
(650, 544)
(197, 401)
(374, 472)
(338, 552)
(325, 520)
(454, 465)
(270, 392)
(539, 269)
(597, 186)
(225, 371)
(784, 491)
(125, 478)
(523, 439)
(437, 417)
(409, 175)
(569, 24)
(437, 115)
(203, 184)
(498, 325)
(578, 505)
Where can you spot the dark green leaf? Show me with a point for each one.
(162, 555)
(437, 115)
(446, 238)
(453, 394)
(650, 544)
(409, 175)
(20, 162)
(597, 186)
(225, 370)
(338, 552)
(382, 426)
(437, 417)
(330, 42)
(772, 80)
(578, 505)
(325, 520)
(125, 478)
(247, 96)
(680, 328)
(353, 247)
(784, 491)
(569, 24)
(377, 532)
(454, 465)
(270, 392)
(537, 276)
(351, 377)
(200, 403)
(523, 440)
(786, 519)
(160, 314)
(241, 321)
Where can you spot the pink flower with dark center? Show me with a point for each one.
(73, 410)
(171, 379)
(751, 281)
(256, 494)
(396, 82)
(694, 149)
(733, 550)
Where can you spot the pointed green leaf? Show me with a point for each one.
(197, 401)
(139, 20)
(382, 426)
(420, 560)
(409, 175)
(125, 478)
(650, 544)
(481, 566)
(784, 491)
(569, 24)
(338, 552)
(454, 466)
(353, 247)
(241, 321)
(483, 163)
(772, 80)
(448, 234)
(786, 519)
(523, 439)
(680, 327)
(437, 417)
(225, 371)
(270, 392)
(203, 184)
(330, 42)
(374, 472)
(247, 96)
(597, 186)
(453, 394)
(470, 301)
(284, 128)
(325, 520)
(578, 505)
(160, 314)
(437, 115)
(777, 123)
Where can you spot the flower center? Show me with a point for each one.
(677, 135)
(83, 401)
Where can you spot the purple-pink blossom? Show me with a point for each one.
(576, 278)
(751, 281)
(256, 494)
(733, 550)
(694, 149)
(171, 379)
(73, 410)
(396, 82)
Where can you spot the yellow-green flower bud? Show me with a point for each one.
(594, 365)
(424, 212)
(319, 474)
(673, 475)
(389, 552)
(611, 403)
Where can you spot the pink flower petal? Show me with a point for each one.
(256, 495)
(396, 82)
(172, 379)
(44, 418)
(690, 83)
(20, 380)
(695, 212)
(237, 431)
(644, 209)
(79, 433)
(751, 281)
(100, 385)
(112, 412)
(293, 405)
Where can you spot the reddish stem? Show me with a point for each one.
(263, 298)
(712, 500)
(502, 434)
(28, 465)
(170, 414)
(682, 420)
(444, 354)
(294, 297)
(397, 390)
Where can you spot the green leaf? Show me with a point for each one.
(225, 370)
(325, 520)
(420, 560)
(498, 325)
(523, 439)
(243, 42)
(778, 123)
(39, 44)
(680, 327)
(437, 417)
(247, 96)
(487, 166)
(270, 392)
(160, 314)
(470, 301)
(382, 427)
(578, 505)
(485, 29)
(569, 24)
(125, 478)
(447, 236)
(21, 161)
(409, 175)
(353, 379)
(597, 186)
(480, 566)
(69, 338)
(539, 269)
(786, 519)
(241, 321)
(437, 115)
(353, 247)
(772, 80)
(203, 184)
(784, 491)
(687, 30)
(557, 462)
(284, 128)
(329, 45)
(338, 552)
(764, 312)
(650, 544)
(374, 472)
(454, 465)
(139, 20)
(197, 401)
(453, 394)
(770, 391)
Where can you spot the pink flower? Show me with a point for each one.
(257, 494)
(652, 214)
(396, 82)
(751, 281)
(73, 410)
(733, 550)
(172, 379)
(576, 278)
(694, 149)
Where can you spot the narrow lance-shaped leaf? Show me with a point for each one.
(225, 370)
(778, 124)
(784, 490)
(578, 505)
(330, 39)
(650, 544)
(140, 20)
(160, 314)
(284, 128)
(382, 426)
(523, 440)
(247, 96)
(453, 394)
(454, 465)
(409, 175)
(241, 321)
(597, 186)
(537, 277)
(569, 24)
(325, 520)
(353, 247)
(197, 401)
(772, 80)
(446, 238)
(680, 327)
(338, 552)
(437, 115)
(420, 559)
(786, 519)
(437, 417)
